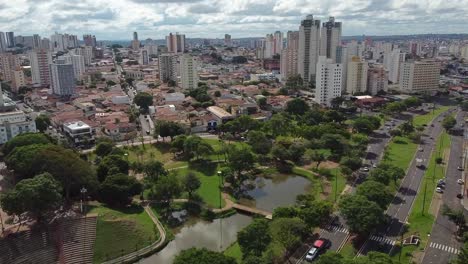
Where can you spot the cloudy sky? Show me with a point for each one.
(117, 19)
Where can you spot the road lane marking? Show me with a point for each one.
(446, 248)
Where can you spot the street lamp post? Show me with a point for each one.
(83, 196)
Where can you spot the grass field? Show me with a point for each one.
(209, 190)
(318, 186)
(400, 152)
(420, 219)
(121, 231)
(234, 251)
(427, 118)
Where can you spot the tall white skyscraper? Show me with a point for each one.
(3, 42)
(328, 82)
(188, 72)
(278, 42)
(151, 48)
(309, 46)
(356, 77)
(143, 58)
(393, 61)
(288, 59)
(40, 60)
(57, 42)
(78, 63)
(330, 38)
(167, 67)
(63, 78)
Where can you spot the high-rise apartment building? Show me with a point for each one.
(330, 38)
(419, 76)
(78, 63)
(356, 76)
(87, 52)
(167, 67)
(227, 40)
(45, 44)
(278, 42)
(89, 40)
(188, 72)
(393, 61)
(36, 44)
(143, 58)
(10, 39)
(8, 63)
(288, 58)
(135, 41)
(377, 79)
(3, 42)
(151, 48)
(328, 82)
(18, 79)
(40, 60)
(57, 43)
(63, 78)
(175, 43)
(309, 47)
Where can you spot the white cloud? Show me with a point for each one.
(117, 19)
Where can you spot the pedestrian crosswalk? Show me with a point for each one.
(337, 228)
(382, 239)
(444, 248)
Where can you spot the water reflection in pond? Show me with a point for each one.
(266, 194)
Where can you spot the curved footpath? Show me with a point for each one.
(134, 256)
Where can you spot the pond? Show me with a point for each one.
(266, 194)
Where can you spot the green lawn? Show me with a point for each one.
(159, 151)
(317, 187)
(348, 250)
(421, 220)
(427, 118)
(338, 183)
(234, 251)
(400, 152)
(315, 181)
(121, 231)
(209, 190)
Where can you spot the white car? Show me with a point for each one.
(439, 190)
(311, 254)
(365, 169)
(460, 181)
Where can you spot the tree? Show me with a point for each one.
(202, 256)
(288, 232)
(336, 143)
(254, 238)
(262, 102)
(462, 257)
(354, 163)
(366, 124)
(294, 83)
(456, 216)
(375, 191)
(297, 106)
(42, 122)
(317, 213)
(286, 212)
(21, 160)
(406, 128)
(104, 148)
(330, 257)
(412, 102)
(112, 164)
(165, 189)
(217, 94)
(191, 183)
(25, 140)
(195, 146)
(143, 100)
(449, 122)
(259, 142)
(240, 160)
(394, 108)
(385, 172)
(37, 196)
(153, 170)
(119, 189)
(168, 129)
(317, 157)
(362, 215)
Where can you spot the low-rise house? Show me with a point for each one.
(79, 133)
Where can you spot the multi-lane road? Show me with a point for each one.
(443, 244)
(385, 237)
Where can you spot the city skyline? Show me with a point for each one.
(240, 18)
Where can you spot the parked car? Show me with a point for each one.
(439, 190)
(317, 248)
(441, 181)
(460, 181)
(460, 168)
(365, 169)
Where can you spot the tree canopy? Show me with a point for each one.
(143, 100)
(42, 122)
(25, 140)
(361, 215)
(119, 189)
(449, 122)
(37, 196)
(168, 129)
(254, 238)
(202, 256)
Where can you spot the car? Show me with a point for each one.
(365, 169)
(460, 181)
(441, 181)
(374, 165)
(459, 196)
(439, 190)
(318, 246)
(421, 149)
(147, 132)
(460, 168)
(441, 185)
